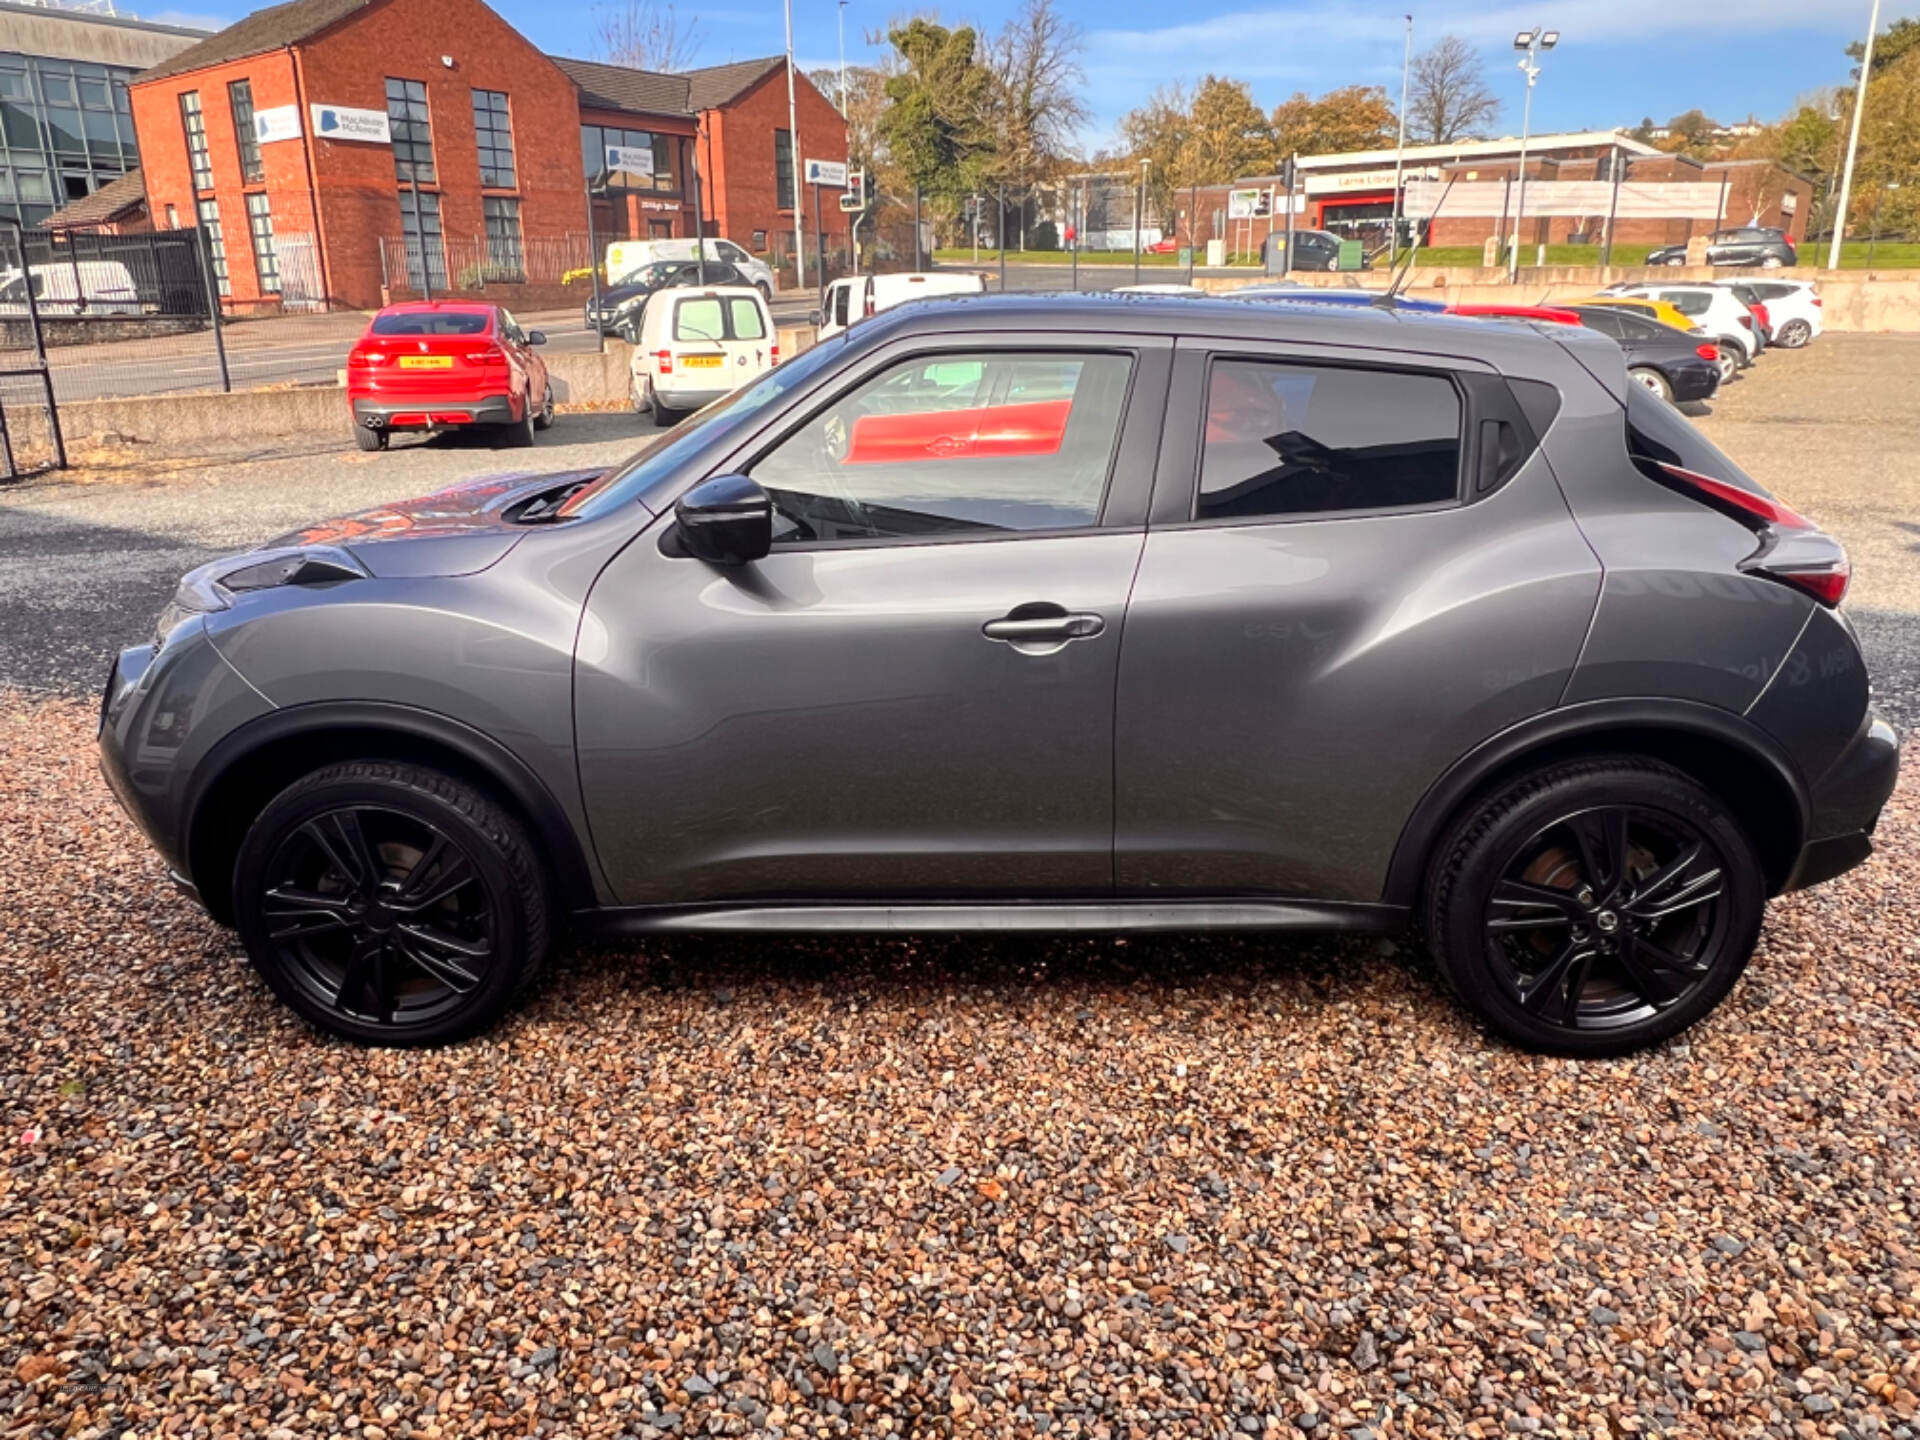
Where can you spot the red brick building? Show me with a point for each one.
(349, 152)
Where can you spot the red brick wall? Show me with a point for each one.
(737, 157)
(169, 178)
(628, 215)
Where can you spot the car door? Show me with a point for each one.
(911, 696)
(530, 371)
(1357, 569)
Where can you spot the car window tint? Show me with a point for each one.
(1637, 327)
(840, 297)
(953, 444)
(1605, 321)
(457, 322)
(1690, 304)
(1285, 439)
(699, 318)
(745, 315)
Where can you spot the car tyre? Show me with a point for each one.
(1793, 335)
(766, 290)
(518, 434)
(544, 420)
(1727, 365)
(1651, 379)
(1595, 907)
(368, 438)
(392, 904)
(1677, 261)
(1772, 262)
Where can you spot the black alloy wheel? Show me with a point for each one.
(391, 904)
(1608, 916)
(1595, 907)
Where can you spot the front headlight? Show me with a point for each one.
(212, 587)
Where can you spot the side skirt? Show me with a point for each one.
(1014, 918)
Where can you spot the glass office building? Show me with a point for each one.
(65, 130)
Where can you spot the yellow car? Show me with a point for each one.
(1661, 310)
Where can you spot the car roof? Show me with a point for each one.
(439, 307)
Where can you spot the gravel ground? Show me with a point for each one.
(1082, 1187)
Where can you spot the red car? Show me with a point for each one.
(439, 364)
(1519, 312)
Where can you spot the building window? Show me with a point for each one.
(196, 127)
(216, 243)
(420, 224)
(665, 180)
(240, 95)
(411, 130)
(759, 242)
(505, 261)
(260, 223)
(783, 169)
(493, 133)
(65, 130)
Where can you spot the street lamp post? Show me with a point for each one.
(843, 59)
(1853, 142)
(1399, 152)
(793, 157)
(1139, 217)
(1529, 43)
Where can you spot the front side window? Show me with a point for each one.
(196, 127)
(216, 243)
(981, 444)
(505, 261)
(493, 134)
(240, 98)
(1286, 439)
(266, 263)
(411, 130)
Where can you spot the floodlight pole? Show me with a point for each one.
(1853, 142)
(1529, 44)
(843, 59)
(1399, 152)
(793, 156)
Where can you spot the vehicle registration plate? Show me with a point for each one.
(426, 362)
(702, 362)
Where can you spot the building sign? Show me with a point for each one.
(659, 205)
(282, 122)
(1249, 204)
(1381, 179)
(630, 160)
(1581, 199)
(830, 173)
(338, 122)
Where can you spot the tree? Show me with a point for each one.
(1691, 133)
(1356, 117)
(937, 122)
(1227, 136)
(1899, 39)
(645, 35)
(1449, 99)
(1157, 133)
(1035, 63)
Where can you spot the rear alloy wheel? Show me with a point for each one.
(544, 420)
(518, 434)
(368, 438)
(1650, 379)
(1772, 262)
(1677, 261)
(1793, 335)
(391, 904)
(1726, 365)
(1596, 907)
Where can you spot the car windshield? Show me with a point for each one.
(433, 322)
(706, 429)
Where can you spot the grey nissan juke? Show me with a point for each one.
(1041, 614)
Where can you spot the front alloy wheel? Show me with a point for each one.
(390, 904)
(1595, 907)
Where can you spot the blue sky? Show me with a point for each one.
(1617, 60)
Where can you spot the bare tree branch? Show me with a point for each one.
(645, 35)
(1449, 99)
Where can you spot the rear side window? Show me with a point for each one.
(1688, 302)
(445, 322)
(1286, 439)
(1604, 321)
(968, 443)
(745, 316)
(1658, 434)
(1637, 327)
(700, 318)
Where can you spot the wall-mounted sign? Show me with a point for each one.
(338, 122)
(282, 122)
(830, 173)
(1249, 204)
(1380, 179)
(630, 159)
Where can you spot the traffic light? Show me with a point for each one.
(855, 197)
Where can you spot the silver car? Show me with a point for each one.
(1041, 614)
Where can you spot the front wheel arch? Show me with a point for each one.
(246, 770)
(1728, 755)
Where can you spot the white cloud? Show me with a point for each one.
(191, 20)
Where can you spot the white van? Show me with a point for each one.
(107, 285)
(626, 256)
(858, 296)
(698, 345)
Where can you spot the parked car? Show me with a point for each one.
(1671, 365)
(1160, 287)
(1552, 314)
(1796, 309)
(1312, 250)
(626, 256)
(1328, 295)
(1737, 245)
(446, 364)
(1718, 312)
(1424, 619)
(854, 297)
(1661, 310)
(623, 316)
(71, 287)
(696, 345)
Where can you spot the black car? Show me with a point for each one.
(1672, 364)
(620, 307)
(1743, 245)
(1312, 250)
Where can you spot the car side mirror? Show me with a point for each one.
(536, 337)
(816, 319)
(727, 520)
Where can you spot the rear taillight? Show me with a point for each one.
(1747, 320)
(774, 354)
(1708, 352)
(365, 359)
(1827, 584)
(1817, 300)
(1793, 550)
(1760, 313)
(1746, 506)
(664, 359)
(492, 355)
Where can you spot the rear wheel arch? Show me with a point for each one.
(256, 763)
(1728, 755)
